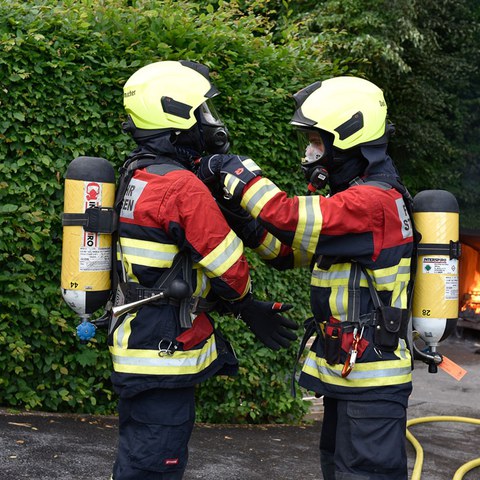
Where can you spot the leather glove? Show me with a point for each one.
(266, 323)
(233, 172)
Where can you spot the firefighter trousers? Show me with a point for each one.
(154, 430)
(363, 440)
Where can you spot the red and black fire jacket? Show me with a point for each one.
(364, 227)
(167, 209)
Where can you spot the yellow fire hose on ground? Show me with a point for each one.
(417, 469)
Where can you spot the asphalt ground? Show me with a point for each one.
(38, 446)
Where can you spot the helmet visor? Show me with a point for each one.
(311, 146)
(214, 131)
(209, 115)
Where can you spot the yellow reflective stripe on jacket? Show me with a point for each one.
(338, 302)
(221, 258)
(270, 247)
(231, 183)
(387, 278)
(126, 265)
(337, 279)
(203, 285)
(371, 374)
(309, 225)
(383, 278)
(251, 165)
(400, 295)
(258, 195)
(301, 258)
(392, 279)
(149, 254)
(148, 362)
(123, 331)
(337, 275)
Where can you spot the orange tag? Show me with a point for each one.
(453, 369)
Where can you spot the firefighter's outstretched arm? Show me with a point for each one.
(295, 221)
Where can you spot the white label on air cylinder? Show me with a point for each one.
(440, 265)
(92, 195)
(95, 259)
(451, 287)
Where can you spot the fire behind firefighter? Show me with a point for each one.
(172, 238)
(358, 243)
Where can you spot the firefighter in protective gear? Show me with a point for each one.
(358, 243)
(174, 241)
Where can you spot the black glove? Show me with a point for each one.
(232, 172)
(265, 321)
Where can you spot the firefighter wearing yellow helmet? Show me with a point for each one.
(358, 244)
(178, 259)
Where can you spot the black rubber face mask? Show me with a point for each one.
(207, 136)
(215, 133)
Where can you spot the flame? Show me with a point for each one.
(472, 300)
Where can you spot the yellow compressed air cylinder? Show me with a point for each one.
(86, 256)
(435, 297)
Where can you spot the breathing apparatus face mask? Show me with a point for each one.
(316, 156)
(208, 135)
(215, 133)
(323, 164)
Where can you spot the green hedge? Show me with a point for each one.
(63, 65)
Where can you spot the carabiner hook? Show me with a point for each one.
(168, 350)
(352, 354)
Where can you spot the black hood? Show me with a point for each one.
(162, 145)
(368, 162)
(381, 167)
(345, 167)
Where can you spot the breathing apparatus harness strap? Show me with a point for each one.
(126, 174)
(125, 291)
(311, 327)
(181, 263)
(408, 200)
(137, 162)
(95, 219)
